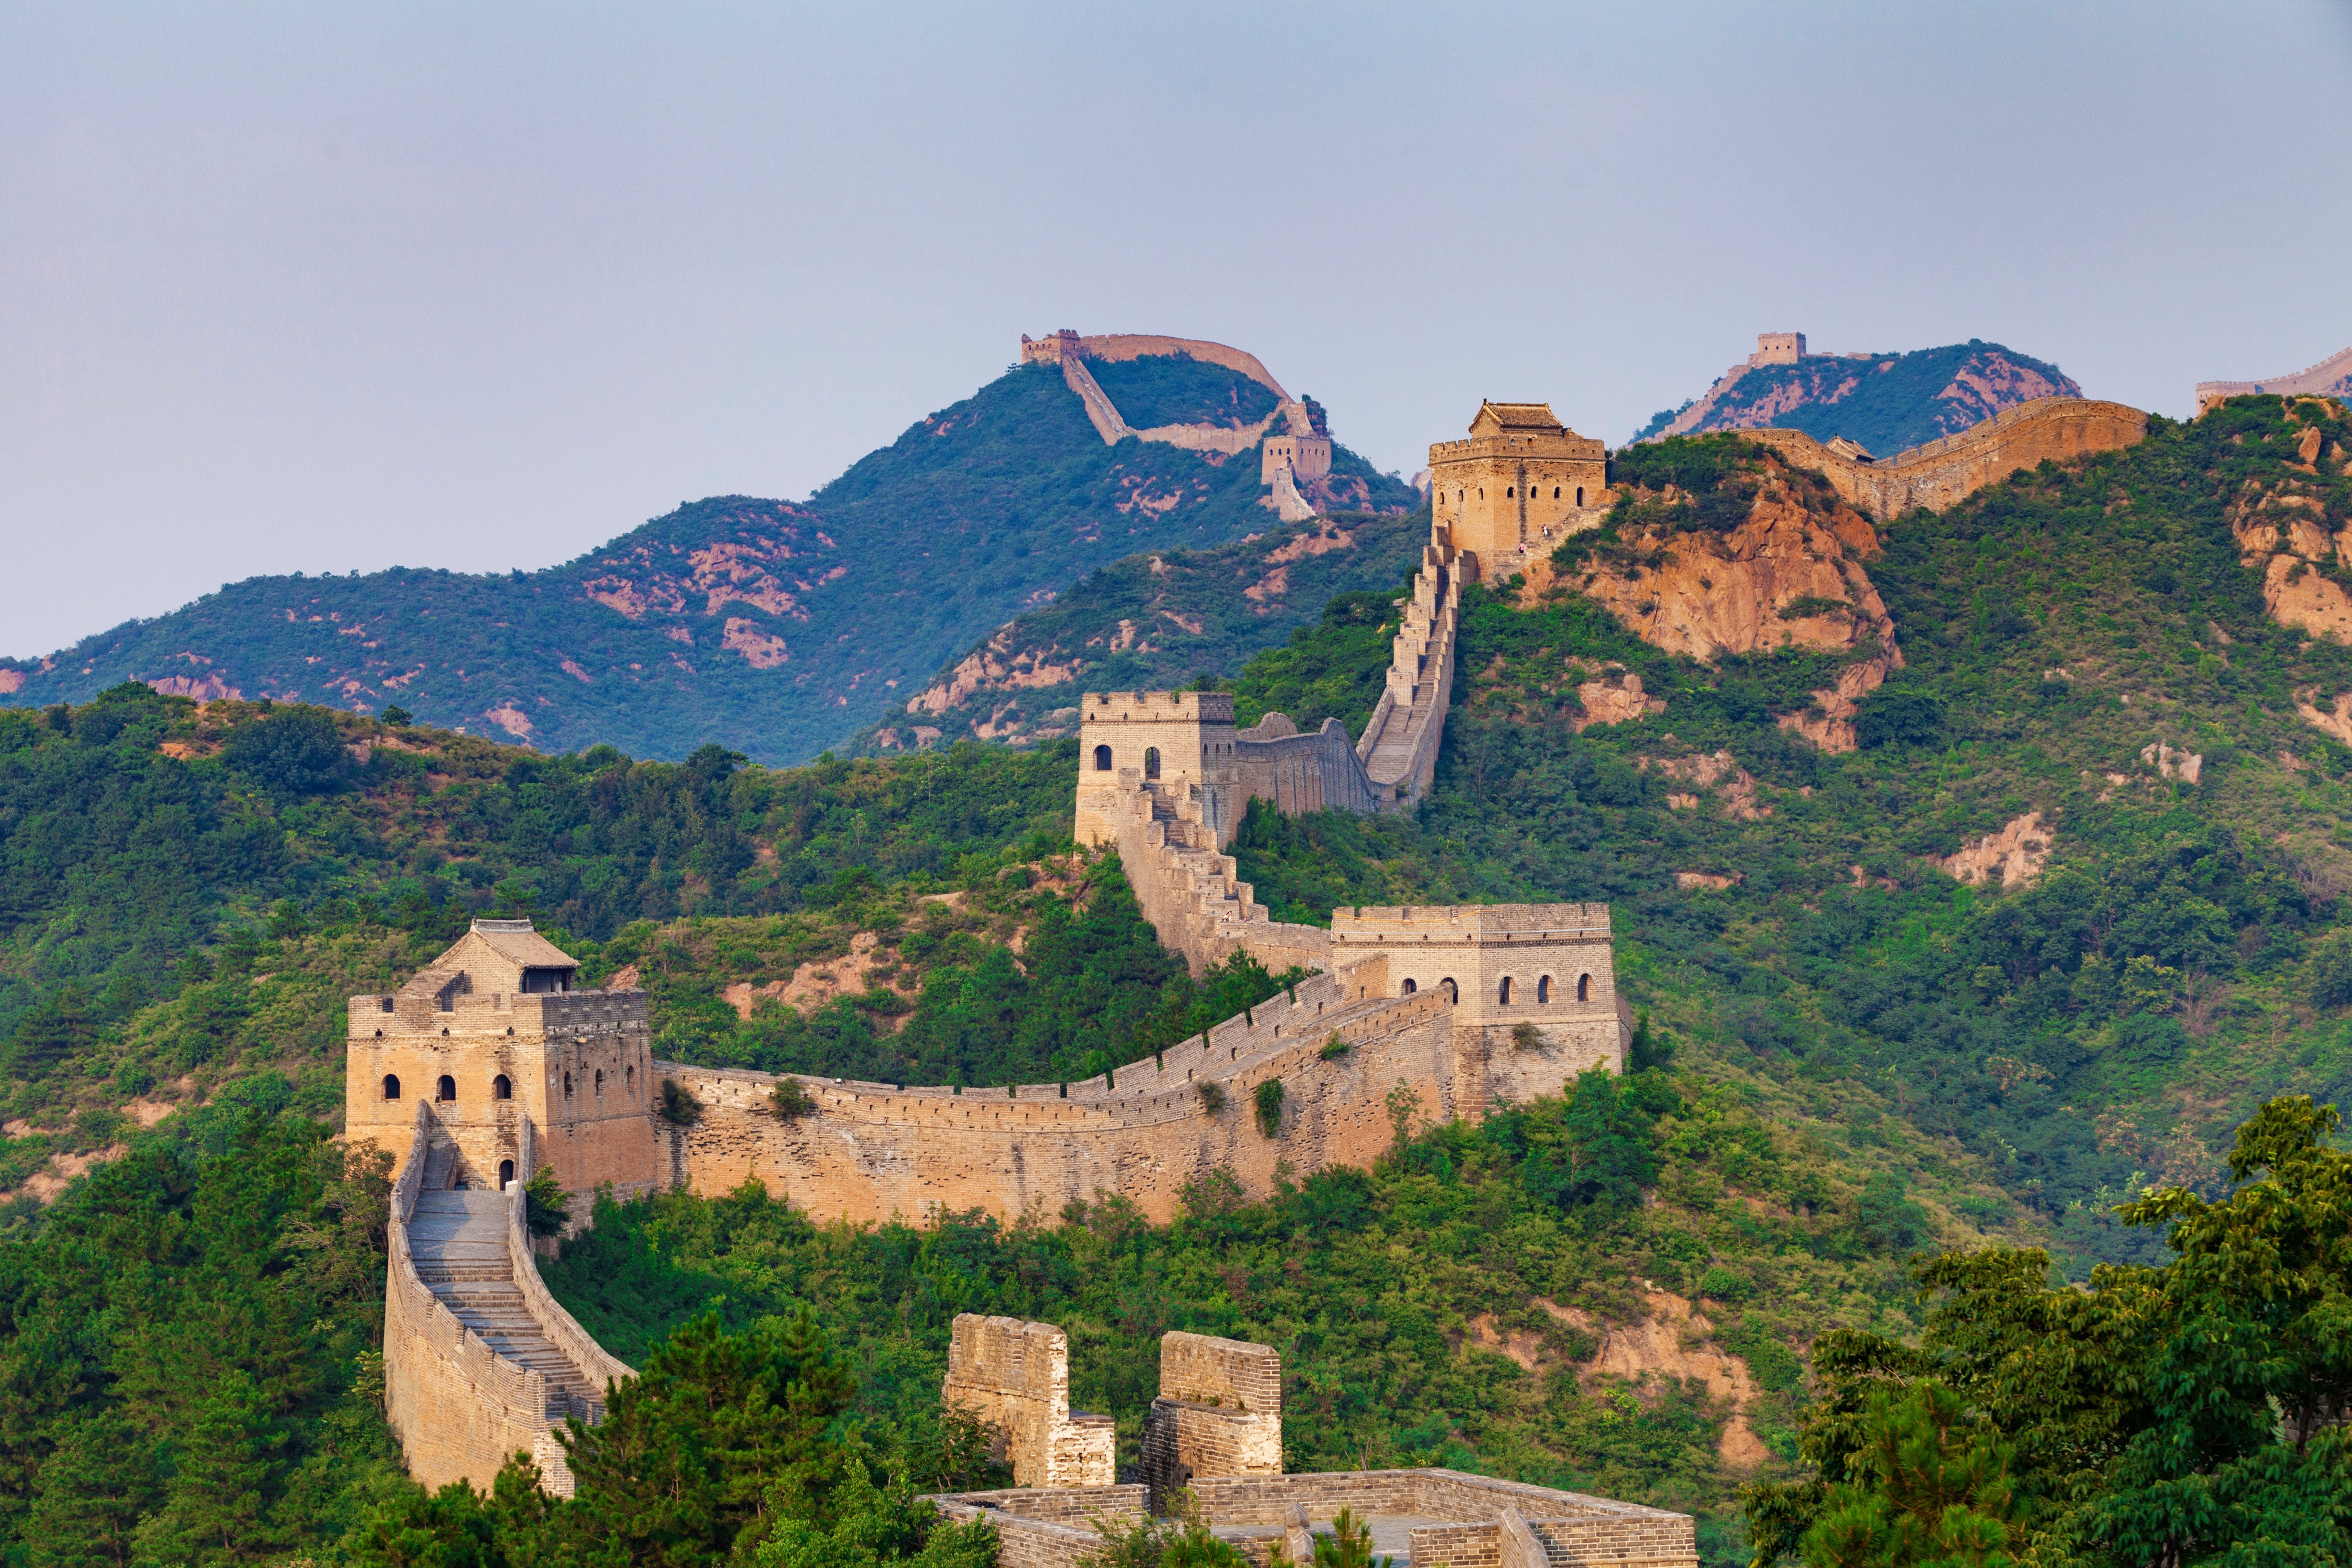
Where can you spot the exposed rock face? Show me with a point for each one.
(2173, 764)
(1614, 699)
(1707, 772)
(1790, 576)
(2336, 722)
(2016, 854)
(2283, 533)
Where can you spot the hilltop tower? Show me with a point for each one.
(493, 1032)
(1520, 483)
(1178, 746)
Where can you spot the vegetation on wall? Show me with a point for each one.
(1152, 390)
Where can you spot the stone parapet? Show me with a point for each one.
(1014, 1378)
(2331, 377)
(1943, 473)
(1039, 1529)
(1219, 1413)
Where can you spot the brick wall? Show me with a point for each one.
(1014, 1376)
(1946, 472)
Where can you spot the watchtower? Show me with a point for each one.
(1778, 348)
(1522, 479)
(1547, 966)
(494, 1031)
(1171, 742)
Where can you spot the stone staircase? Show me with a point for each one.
(458, 1242)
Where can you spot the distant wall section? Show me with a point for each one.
(1941, 474)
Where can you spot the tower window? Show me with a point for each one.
(1453, 992)
(391, 1087)
(387, 1003)
(1584, 988)
(1543, 990)
(1102, 758)
(506, 1174)
(1503, 994)
(447, 1090)
(1579, 495)
(1152, 762)
(500, 1089)
(567, 1086)
(1555, 492)
(600, 1083)
(1409, 988)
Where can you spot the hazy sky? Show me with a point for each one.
(332, 288)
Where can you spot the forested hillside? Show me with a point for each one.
(1154, 622)
(1659, 1288)
(1885, 401)
(775, 628)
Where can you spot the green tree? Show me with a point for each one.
(217, 1508)
(96, 1485)
(1933, 1491)
(718, 1436)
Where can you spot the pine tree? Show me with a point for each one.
(94, 1489)
(217, 1509)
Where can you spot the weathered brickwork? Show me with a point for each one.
(2331, 377)
(1219, 1413)
(1521, 480)
(492, 1035)
(1014, 1377)
(1944, 473)
(460, 1397)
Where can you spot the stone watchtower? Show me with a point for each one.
(1522, 482)
(1177, 745)
(495, 1031)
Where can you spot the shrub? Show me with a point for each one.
(1212, 1097)
(789, 1100)
(2331, 969)
(1269, 1107)
(546, 1208)
(678, 1105)
(1526, 1037)
(1335, 1048)
(1898, 716)
(1723, 1284)
(293, 751)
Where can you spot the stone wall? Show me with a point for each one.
(1295, 772)
(870, 1151)
(1219, 1413)
(1943, 473)
(2331, 377)
(1399, 743)
(1014, 1377)
(1045, 1529)
(457, 1406)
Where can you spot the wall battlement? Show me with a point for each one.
(2331, 377)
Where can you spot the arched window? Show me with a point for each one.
(1409, 988)
(1555, 492)
(1509, 491)
(1152, 762)
(1482, 492)
(1453, 992)
(1584, 988)
(1503, 993)
(567, 1086)
(631, 1080)
(446, 1089)
(500, 1089)
(506, 1174)
(391, 1087)
(1579, 495)
(600, 1083)
(1102, 758)
(1543, 991)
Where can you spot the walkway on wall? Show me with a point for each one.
(459, 1240)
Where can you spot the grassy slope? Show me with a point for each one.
(1895, 401)
(882, 574)
(1294, 569)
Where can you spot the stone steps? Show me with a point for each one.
(457, 1240)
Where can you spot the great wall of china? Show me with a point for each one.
(490, 1064)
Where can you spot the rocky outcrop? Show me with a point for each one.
(2283, 533)
(1614, 696)
(1789, 575)
(2015, 854)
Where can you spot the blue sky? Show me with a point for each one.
(327, 288)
